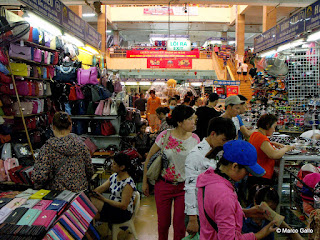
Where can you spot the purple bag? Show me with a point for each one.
(20, 51)
(87, 76)
(23, 88)
(34, 107)
(79, 93)
(37, 55)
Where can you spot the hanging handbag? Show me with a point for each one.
(107, 128)
(117, 87)
(91, 108)
(4, 78)
(6, 151)
(37, 55)
(55, 58)
(95, 94)
(20, 51)
(4, 69)
(99, 109)
(113, 108)
(88, 76)
(72, 94)
(67, 108)
(26, 108)
(65, 74)
(3, 57)
(35, 35)
(106, 108)
(155, 164)
(47, 89)
(126, 128)
(104, 93)
(6, 100)
(19, 69)
(90, 145)
(53, 43)
(79, 93)
(82, 108)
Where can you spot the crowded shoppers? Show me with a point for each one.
(267, 151)
(170, 186)
(220, 131)
(118, 208)
(243, 109)
(64, 161)
(162, 113)
(172, 103)
(142, 142)
(198, 102)
(140, 104)
(220, 213)
(152, 104)
(205, 113)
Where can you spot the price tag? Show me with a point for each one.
(11, 86)
(45, 87)
(21, 43)
(89, 129)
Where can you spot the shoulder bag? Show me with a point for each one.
(88, 76)
(155, 163)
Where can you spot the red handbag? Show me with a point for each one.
(3, 58)
(72, 94)
(107, 128)
(13, 174)
(55, 59)
(4, 78)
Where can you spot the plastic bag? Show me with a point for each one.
(196, 237)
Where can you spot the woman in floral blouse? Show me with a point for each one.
(170, 185)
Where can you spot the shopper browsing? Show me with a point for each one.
(162, 113)
(173, 102)
(118, 208)
(205, 114)
(244, 68)
(140, 104)
(152, 104)
(142, 142)
(170, 186)
(243, 108)
(198, 102)
(267, 151)
(64, 161)
(220, 131)
(220, 212)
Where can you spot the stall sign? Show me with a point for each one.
(179, 63)
(162, 54)
(225, 82)
(265, 40)
(179, 45)
(174, 11)
(220, 91)
(232, 90)
(312, 16)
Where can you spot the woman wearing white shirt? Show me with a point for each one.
(244, 68)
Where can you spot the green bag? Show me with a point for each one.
(196, 237)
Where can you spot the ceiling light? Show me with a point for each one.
(131, 83)
(268, 53)
(71, 39)
(109, 31)
(314, 37)
(196, 84)
(88, 15)
(91, 50)
(291, 45)
(159, 83)
(145, 83)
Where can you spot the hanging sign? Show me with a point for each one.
(265, 40)
(224, 82)
(232, 90)
(162, 54)
(73, 23)
(174, 11)
(180, 63)
(313, 16)
(179, 45)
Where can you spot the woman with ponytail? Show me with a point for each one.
(118, 208)
(64, 161)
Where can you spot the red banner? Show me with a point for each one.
(232, 90)
(181, 63)
(162, 54)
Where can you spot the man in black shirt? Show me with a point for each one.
(205, 114)
(140, 104)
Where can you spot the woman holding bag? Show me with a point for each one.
(170, 185)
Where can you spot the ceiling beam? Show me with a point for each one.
(283, 3)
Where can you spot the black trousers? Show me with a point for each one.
(114, 215)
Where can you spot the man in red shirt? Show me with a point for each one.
(152, 104)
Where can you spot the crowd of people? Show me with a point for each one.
(208, 157)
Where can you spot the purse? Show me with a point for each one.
(113, 108)
(3, 58)
(26, 108)
(20, 51)
(65, 74)
(72, 94)
(106, 108)
(19, 69)
(95, 94)
(35, 35)
(47, 89)
(91, 109)
(4, 69)
(79, 93)
(4, 78)
(88, 76)
(99, 109)
(107, 128)
(155, 164)
(37, 55)
(90, 145)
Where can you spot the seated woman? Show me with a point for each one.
(119, 207)
(64, 161)
(267, 151)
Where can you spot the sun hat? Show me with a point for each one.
(234, 99)
(244, 153)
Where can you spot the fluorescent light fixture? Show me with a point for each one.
(131, 83)
(38, 22)
(91, 49)
(71, 39)
(231, 42)
(268, 53)
(122, 83)
(314, 37)
(145, 83)
(215, 42)
(196, 84)
(109, 31)
(159, 83)
(290, 45)
(88, 15)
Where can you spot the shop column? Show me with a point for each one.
(240, 30)
(224, 38)
(116, 38)
(102, 28)
(77, 9)
(269, 17)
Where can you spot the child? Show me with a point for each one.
(269, 195)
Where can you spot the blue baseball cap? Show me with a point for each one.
(244, 153)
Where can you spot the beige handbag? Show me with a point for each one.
(155, 163)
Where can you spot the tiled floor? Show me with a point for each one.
(145, 223)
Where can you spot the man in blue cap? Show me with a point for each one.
(220, 213)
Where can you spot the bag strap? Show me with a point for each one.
(212, 223)
(166, 139)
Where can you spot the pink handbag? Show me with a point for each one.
(87, 76)
(79, 93)
(20, 51)
(34, 107)
(8, 164)
(50, 71)
(106, 109)
(99, 109)
(40, 85)
(90, 145)
(26, 108)
(23, 87)
(37, 55)
(117, 87)
(3, 175)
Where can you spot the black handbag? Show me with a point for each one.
(66, 74)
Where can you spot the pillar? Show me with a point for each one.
(116, 38)
(102, 28)
(269, 17)
(240, 30)
(77, 9)
(224, 38)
